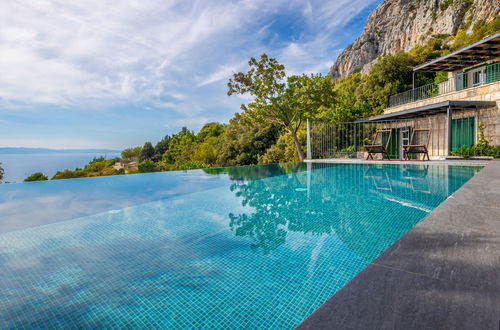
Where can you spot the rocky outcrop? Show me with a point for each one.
(399, 25)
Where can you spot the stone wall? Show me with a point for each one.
(438, 143)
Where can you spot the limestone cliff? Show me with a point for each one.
(399, 25)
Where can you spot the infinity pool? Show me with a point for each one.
(241, 247)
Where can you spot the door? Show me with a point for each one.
(399, 136)
(463, 132)
(405, 133)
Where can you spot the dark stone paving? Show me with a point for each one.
(443, 274)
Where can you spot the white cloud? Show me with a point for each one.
(169, 55)
(224, 72)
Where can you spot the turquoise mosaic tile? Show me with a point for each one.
(262, 248)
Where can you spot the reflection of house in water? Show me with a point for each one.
(379, 177)
(417, 175)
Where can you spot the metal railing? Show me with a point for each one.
(423, 92)
(473, 78)
(347, 140)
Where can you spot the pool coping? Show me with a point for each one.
(442, 274)
(459, 162)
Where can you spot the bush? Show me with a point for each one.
(191, 165)
(69, 174)
(147, 166)
(468, 152)
(38, 176)
(284, 150)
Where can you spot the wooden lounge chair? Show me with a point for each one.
(414, 147)
(378, 148)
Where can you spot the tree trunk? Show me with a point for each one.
(297, 143)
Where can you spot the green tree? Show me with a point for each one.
(278, 99)
(207, 152)
(210, 130)
(147, 152)
(38, 176)
(147, 166)
(131, 154)
(160, 148)
(243, 144)
(283, 150)
(1, 172)
(179, 145)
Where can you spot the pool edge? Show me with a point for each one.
(441, 274)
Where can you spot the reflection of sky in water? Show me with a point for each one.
(28, 204)
(248, 247)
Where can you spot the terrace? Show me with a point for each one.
(474, 58)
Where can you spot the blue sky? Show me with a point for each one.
(99, 74)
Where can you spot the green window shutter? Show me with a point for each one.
(491, 72)
(463, 132)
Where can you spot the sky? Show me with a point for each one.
(114, 74)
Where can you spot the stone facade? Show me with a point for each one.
(438, 144)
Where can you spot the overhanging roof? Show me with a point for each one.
(429, 110)
(476, 53)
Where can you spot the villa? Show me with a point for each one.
(456, 110)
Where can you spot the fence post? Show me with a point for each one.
(449, 113)
(308, 141)
(355, 140)
(413, 86)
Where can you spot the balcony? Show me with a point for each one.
(480, 76)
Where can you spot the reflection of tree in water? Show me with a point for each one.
(278, 197)
(342, 200)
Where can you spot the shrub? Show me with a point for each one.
(147, 166)
(468, 152)
(38, 176)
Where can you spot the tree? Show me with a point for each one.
(147, 152)
(147, 166)
(207, 150)
(179, 144)
(243, 144)
(38, 176)
(283, 150)
(161, 147)
(210, 130)
(1, 172)
(131, 153)
(278, 99)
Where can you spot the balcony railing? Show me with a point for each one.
(473, 78)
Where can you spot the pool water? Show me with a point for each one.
(241, 247)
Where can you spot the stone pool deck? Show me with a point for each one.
(443, 274)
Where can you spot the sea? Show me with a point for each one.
(18, 167)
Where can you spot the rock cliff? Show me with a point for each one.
(399, 25)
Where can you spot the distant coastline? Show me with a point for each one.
(13, 150)
(19, 163)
